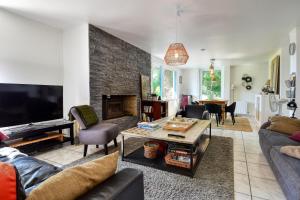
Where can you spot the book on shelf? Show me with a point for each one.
(148, 109)
(148, 125)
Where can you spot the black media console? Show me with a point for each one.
(33, 133)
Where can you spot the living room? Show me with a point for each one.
(165, 121)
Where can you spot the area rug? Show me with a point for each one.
(241, 124)
(213, 180)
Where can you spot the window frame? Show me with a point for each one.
(201, 82)
(162, 76)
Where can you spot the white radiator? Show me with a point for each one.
(241, 107)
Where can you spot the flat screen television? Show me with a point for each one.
(24, 103)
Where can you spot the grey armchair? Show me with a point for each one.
(99, 134)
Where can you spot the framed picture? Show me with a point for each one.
(145, 87)
(180, 79)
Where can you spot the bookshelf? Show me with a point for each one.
(153, 110)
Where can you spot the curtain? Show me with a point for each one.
(275, 74)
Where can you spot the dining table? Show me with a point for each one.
(220, 102)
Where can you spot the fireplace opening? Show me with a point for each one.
(115, 106)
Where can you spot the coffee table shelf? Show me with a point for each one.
(137, 157)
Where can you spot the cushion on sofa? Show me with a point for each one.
(78, 179)
(3, 136)
(10, 183)
(295, 136)
(287, 171)
(292, 151)
(284, 124)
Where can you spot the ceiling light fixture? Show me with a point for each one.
(212, 68)
(176, 54)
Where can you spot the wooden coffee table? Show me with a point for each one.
(197, 137)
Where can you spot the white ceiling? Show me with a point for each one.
(234, 31)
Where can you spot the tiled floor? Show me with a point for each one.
(253, 178)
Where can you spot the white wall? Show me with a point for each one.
(30, 52)
(76, 66)
(191, 82)
(259, 74)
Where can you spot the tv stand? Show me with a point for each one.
(33, 133)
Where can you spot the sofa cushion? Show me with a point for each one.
(295, 136)
(10, 183)
(292, 151)
(288, 172)
(78, 179)
(284, 124)
(3, 136)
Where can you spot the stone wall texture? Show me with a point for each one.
(115, 69)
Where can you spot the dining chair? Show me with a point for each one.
(231, 110)
(214, 109)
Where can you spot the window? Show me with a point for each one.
(169, 85)
(156, 81)
(163, 82)
(210, 89)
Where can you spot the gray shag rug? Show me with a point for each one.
(214, 178)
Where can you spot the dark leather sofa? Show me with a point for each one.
(125, 184)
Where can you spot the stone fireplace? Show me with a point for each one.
(115, 70)
(115, 106)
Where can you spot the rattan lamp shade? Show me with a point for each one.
(176, 55)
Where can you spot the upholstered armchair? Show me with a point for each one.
(98, 134)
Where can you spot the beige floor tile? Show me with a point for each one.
(51, 153)
(266, 189)
(260, 171)
(65, 157)
(256, 158)
(240, 196)
(238, 147)
(253, 149)
(241, 184)
(77, 148)
(217, 132)
(239, 156)
(53, 163)
(238, 141)
(257, 198)
(240, 167)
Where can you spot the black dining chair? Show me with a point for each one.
(214, 109)
(231, 110)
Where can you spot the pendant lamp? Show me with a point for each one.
(176, 54)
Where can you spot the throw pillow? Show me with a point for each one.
(284, 125)
(10, 183)
(87, 115)
(3, 136)
(76, 181)
(296, 136)
(292, 151)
